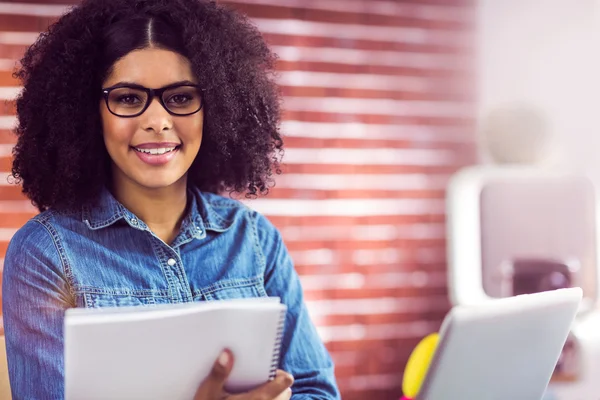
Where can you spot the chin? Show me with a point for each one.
(158, 182)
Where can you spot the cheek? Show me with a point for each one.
(191, 130)
(198, 126)
(117, 132)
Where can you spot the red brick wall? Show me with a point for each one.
(379, 112)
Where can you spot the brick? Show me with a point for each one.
(391, 394)
(5, 164)
(321, 15)
(361, 220)
(11, 192)
(375, 293)
(405, 344)
(14, 219)
(461, 3)
(353, 268)
(394, 255)
(312, 116)
(464, 73)
(331, 16)
(305, 243)
(373, 366)
(369, 169)
(7, 137)
(6, 79)
(367, 143)
(12, 51)
(354, 194)
(334, 268)
(307, 91)
(379, 319)
(344, 248)
(317, 41)
(25, 23)
(7, 108)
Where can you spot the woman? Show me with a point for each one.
(133, 115)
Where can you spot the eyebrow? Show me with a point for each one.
(127, 83)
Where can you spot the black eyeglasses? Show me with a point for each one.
(129, 100)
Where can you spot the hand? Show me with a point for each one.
(212, 387)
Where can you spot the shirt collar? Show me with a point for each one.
(201, 215)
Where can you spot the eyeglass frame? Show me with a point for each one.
(151, 93)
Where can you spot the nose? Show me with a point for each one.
(156, 118)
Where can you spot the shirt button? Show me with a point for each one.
(171, 262)
(134, 221)
(198, 229)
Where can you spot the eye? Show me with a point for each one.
(180, 99)
(128, 99)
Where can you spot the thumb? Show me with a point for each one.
(212, 386)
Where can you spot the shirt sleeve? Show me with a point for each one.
(35, 295)
(303, 353)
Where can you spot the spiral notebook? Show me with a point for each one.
(165, 351)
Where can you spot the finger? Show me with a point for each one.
(271, 389)
(286, 395)
(286, 378)
(212, 386)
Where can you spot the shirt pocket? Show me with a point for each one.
(119, 298)
(235, 288)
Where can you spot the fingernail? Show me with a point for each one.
(224, 359)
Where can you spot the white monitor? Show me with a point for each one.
(501, 215)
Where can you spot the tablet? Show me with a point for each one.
(502, 349)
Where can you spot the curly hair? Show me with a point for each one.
(60, 157)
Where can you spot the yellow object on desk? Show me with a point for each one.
(418, 364)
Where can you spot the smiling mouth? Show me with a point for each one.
(157, 151)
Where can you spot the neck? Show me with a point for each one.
(162, 209)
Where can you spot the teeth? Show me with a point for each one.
(156, 152)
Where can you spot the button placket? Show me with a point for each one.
(181, 282)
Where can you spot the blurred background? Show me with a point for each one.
(385, 100)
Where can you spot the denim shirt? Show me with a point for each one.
(105, 256)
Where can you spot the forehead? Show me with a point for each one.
(151, 67)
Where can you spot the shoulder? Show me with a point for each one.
(33, 234)
(223, 212)
(32, 243)
(39, 236)
(220, 213)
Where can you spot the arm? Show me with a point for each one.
(303, 353)
(35, 297)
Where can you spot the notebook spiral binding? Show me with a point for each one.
(277, 349)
